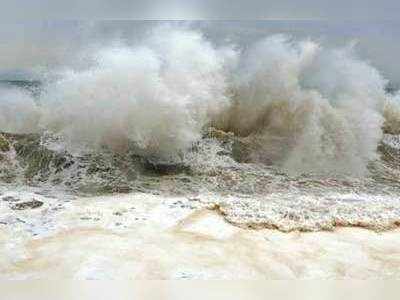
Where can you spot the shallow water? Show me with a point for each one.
(146, 236)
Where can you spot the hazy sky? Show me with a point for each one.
(27, 40)
(205, 9)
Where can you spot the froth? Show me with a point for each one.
(303, 107)
(159, 94)
(308, 108)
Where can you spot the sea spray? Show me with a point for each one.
(391, 114)
(158, 95)
(307, 108)
(292, 104)
(18, 111)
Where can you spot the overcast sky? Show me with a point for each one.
(28, 39)
(205, 9)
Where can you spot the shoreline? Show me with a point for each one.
(154, 237)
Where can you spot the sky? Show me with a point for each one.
(50, 34)
(205, 9)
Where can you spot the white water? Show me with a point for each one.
(151, 237)
(18, 111)
(293, 103)
(158, 94)
(311, 109)
(303, 107)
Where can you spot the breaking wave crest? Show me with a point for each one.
(308, 108)
(392, 115)
(294, 103)
(158, 95)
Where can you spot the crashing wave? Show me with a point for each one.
(287, 103)
(217, 163)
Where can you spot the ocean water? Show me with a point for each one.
(274, 158)
(143, 236)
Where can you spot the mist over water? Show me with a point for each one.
(392, 114)
(19, 113)
(301, 106)
(158, 94)
(309, 108)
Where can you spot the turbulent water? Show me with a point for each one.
(283, 134)
(304, 108)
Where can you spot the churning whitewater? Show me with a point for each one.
(201, 158)
(300, 106)
(213, 144)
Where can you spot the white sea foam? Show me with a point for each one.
(309, 108)
(159, 94)
(304, 107)
(159, 237)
